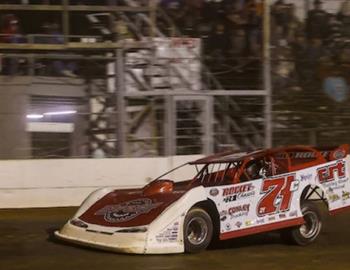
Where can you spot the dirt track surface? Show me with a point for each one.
(26, 243)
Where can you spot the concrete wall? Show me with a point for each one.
(15, 94)
(14, 140)
(66, 182)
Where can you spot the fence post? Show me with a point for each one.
(267, 74)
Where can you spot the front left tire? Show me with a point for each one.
(198, 230)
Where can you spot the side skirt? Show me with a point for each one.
(262, 228)
(339, 210)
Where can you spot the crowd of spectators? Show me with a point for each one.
(49, 33)
(309, 50)
(310, 53)
(227, 28)
(59, 2)
(304, 50)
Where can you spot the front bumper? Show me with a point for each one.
(117, 242)
(126, 242)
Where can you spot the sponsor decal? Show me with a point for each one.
(293, 213)
(302, 155)
(260, 221)
(228, 226)
(237, 189)
(223, 213)
(282, 215)
(345, 195)
(344, 180)
(249, 222)
(340, 153)
(238, 224)
(334, 197)
(327, 173)
(126, 211)
(305, 177)
(238, 211)
(169, 235)
(238, 192)
(214, 192)
(335, 185)
(272, 218)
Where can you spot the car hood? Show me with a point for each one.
(130, 207)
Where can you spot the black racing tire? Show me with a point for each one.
(198, 230)
(307, 233)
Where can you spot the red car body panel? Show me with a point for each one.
(131, 208)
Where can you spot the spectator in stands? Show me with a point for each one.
(53, 35)
(219, 43)
(317, 22)
(11, 29)
(0, 63)
(236, 28)
(335, 37)
(315, 54)
(173, 8)
(253, 12)
(284, 69)
(280, 17)
(295, 26)
(300, 50)
(344, 17)
(10, 34)
(120, 30)
(345, 8)
(98, 151)
(45, 2)
(191, 17)
(344, 61)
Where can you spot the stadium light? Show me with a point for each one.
(35, 116)
(60, 113)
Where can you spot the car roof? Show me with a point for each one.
(234, 156)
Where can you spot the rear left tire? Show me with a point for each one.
(308, 232)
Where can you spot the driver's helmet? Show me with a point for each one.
(253, 170)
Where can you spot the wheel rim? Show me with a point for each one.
(311, 225)
(197, 231)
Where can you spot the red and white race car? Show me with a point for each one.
(228, 195)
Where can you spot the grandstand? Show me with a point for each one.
(148, 78)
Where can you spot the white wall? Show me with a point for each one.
(66, 182)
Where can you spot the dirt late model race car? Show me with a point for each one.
(228, 195)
